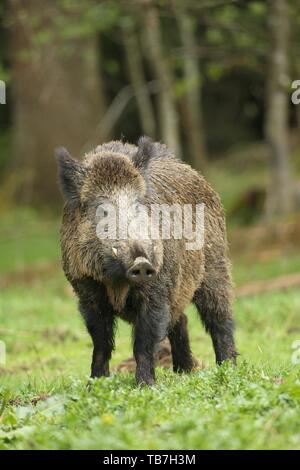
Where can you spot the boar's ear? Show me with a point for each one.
(70, 174)
(145, 152)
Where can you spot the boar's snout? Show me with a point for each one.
(141, 271)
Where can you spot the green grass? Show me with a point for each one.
(26, 238)
(221, 408)
(44, 402)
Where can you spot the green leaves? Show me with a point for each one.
(221, 407)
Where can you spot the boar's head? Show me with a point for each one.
(107, 194)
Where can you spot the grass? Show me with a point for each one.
(27, 238)
(44, 402)
(214, 409)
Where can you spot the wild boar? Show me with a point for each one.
(148, 281)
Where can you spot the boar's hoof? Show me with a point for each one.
(143, 379)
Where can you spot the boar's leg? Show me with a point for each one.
(99, 318)
(150, 328)
(180, 345)
(212, 300)
(101, 329)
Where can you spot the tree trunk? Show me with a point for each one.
(193, 122)
(56, 94)
(137, 78)
(280, 194)
(168, 118)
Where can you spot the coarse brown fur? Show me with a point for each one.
(97, 269)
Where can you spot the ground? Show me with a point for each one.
(44, 399)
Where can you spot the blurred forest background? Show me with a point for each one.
(211, 78)
(214, 80)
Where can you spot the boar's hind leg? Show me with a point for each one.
(99, 318)
(180, 346)
(212, 300)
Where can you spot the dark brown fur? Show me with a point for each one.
(150, 174)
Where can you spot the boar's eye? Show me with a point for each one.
(71, 174)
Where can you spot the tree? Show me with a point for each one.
(137, 77)
(56, 91)
(280, 195)
(193, 122)
(168, 118)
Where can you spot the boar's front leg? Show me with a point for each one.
(150, 328)
(99, 318)
(101, 328)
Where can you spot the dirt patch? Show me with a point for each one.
(57, 335)
(259, 287)
(163, 358)
(30, 275)
(14, 370)
(265, 241)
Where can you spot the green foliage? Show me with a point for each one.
(4, 73)
(94, 17)
(224, 408)
(27, 237)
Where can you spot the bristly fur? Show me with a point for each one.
(71, 175)
(147, 173)
(145, 152)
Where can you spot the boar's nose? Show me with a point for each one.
(141, 271)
